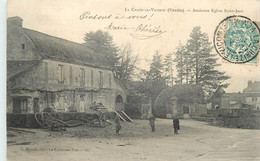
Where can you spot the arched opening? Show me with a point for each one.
(119, 103)
(119, 99)
(186, 112)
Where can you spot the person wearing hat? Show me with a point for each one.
(151, 121)
(118, 125)
(176, 125)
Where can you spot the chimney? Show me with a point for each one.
(14, 22)
(249, 83)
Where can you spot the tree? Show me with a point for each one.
(155, 81)
(119, 59)
(203, 63)
(182, 64)
(102, 43)
(127, 64)
(156, 67)
(168, 69)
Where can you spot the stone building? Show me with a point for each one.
(252, 94)
(250, 98)
(47, 71)
(223, 100)
(182, 101)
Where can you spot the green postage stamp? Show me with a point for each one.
(236, 39)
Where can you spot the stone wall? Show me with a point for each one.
(19, 46)
(236, 118)
(42, 81)
(251, 122)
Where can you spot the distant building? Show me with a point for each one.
(181, 100)
(47, 71)
(223, 100)
(250, 98)
(252, 94)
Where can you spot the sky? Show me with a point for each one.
(125, 20)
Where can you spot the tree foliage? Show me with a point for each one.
(198, 64)
(126, 66)
(120, 59)
(168, 69)
(102, 43)
(153, 81)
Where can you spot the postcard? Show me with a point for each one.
(132, 80)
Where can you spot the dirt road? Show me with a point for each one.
(196, 141)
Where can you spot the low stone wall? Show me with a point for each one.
(236, 118)
(252, 122)
(233, 112)
(203, 118)
(29, 121)
(21, 120)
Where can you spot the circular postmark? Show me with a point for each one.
(236, 39)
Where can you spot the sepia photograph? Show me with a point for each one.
(96, 80)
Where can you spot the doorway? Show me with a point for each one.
(119, 103)
(36, 105)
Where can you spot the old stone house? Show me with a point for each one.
(250, 98)
(222, 100)
(47, 71)
(181, 100)
(252, 94)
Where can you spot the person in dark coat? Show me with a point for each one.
(151, 121)
(118, 125)
(176, 125)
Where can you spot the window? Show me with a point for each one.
(92, 78)
(70, 74)
(61, 74)
(24, 106)
(52, 97)
(46, 71)
(254, 99)
(23, 46)
(82, 77)
(109, 79)
(20, 105)
(100, 79)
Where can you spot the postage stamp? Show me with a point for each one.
(236, 39)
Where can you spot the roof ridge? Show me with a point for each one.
(54, 37)
(55, 48)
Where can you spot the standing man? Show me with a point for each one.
(118, 125)
(151, 121)
(176, 125)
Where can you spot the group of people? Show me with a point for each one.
(176, 124)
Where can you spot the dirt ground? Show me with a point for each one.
(196, 141)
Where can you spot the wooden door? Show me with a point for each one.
(36, 105)
(16, 105)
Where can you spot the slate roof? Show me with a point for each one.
(54, 48)
(18, 67)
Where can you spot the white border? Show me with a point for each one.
(3, 80)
